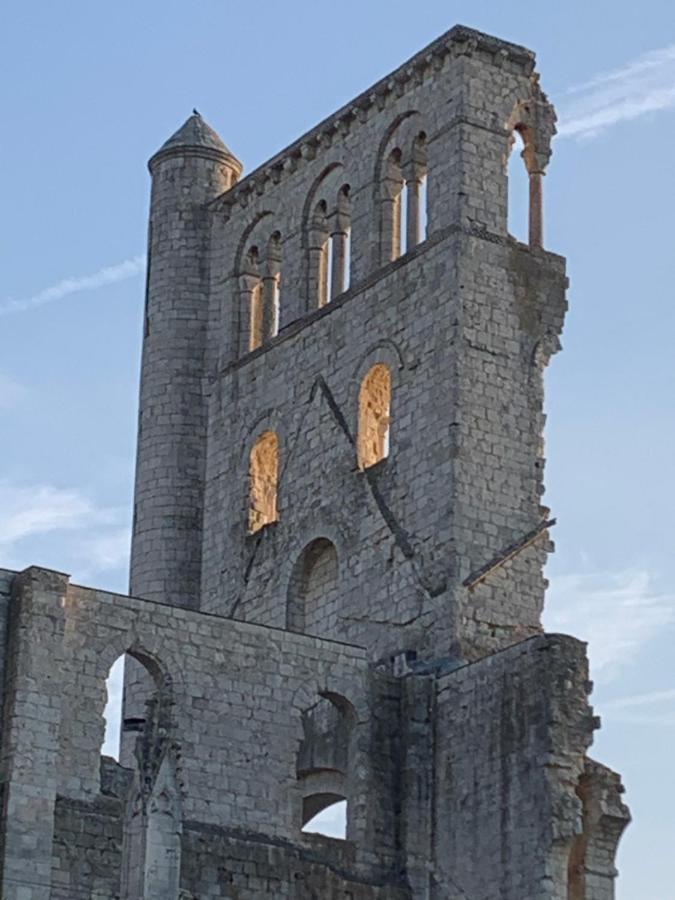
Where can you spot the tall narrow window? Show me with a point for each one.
(113, 710)
(319, 249)
(374, 416)
(270, 289)
(517, 190)
(339, 244)
(251, 285)
(392, 188)
(403, 219)
(414, 201)
(263, 480)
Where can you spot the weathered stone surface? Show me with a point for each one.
(352, 610)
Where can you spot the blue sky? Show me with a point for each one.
(90, 90)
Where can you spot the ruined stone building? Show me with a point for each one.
(338, 542)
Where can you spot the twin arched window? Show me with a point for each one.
(329, 247)
(404, 216)
(261, 280)
(372, 447)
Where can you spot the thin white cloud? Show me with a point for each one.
(619, 614)
(129, 268)
(109, 549)
(651, 708)
(648, 698)
(11, 392)
(33, 511)
(37, 509)
(644, 85)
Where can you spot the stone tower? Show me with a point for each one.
(337, 564)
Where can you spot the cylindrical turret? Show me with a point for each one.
(188, 171)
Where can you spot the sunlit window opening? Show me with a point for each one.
(374, 416)
(263, 478)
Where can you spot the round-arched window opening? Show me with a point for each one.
(374, 416)
(113, 710)
(518, 190)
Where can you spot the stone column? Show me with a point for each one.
(413, 213)
(536, 226)
(269, 307)
(339, 239)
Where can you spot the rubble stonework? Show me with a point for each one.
(338, 541)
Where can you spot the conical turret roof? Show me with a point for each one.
(196, 135)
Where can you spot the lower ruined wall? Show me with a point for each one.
(225, 730)
(512, 732)
(216, 863)
(463, 780)
(219, 864)
(87, 849)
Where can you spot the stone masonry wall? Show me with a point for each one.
(233, 695)
(516, 727)
(466, 322)
(458, 779)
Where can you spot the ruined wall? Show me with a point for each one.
(465, 320)
(458, 777)
(226, 717)
(462, 778)
(520, 726)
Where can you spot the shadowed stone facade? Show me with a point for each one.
(338, 548)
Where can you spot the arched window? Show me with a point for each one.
(374, 416)
(260, 280)
(113, 710)
(402, 176)
(415, 193)
(152, 827)
(325, 766)
(313, 590)
(340, 250)
(392, 188)
(271, 287)
(319, 249)
(518, 189)
(533, 122)
(263, 481)
(252, 291)
(327, 235)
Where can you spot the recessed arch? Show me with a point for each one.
(312, 598)
(400, 184)
(257, 279)
(148, 690)
(326, 764)
(326, 236)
